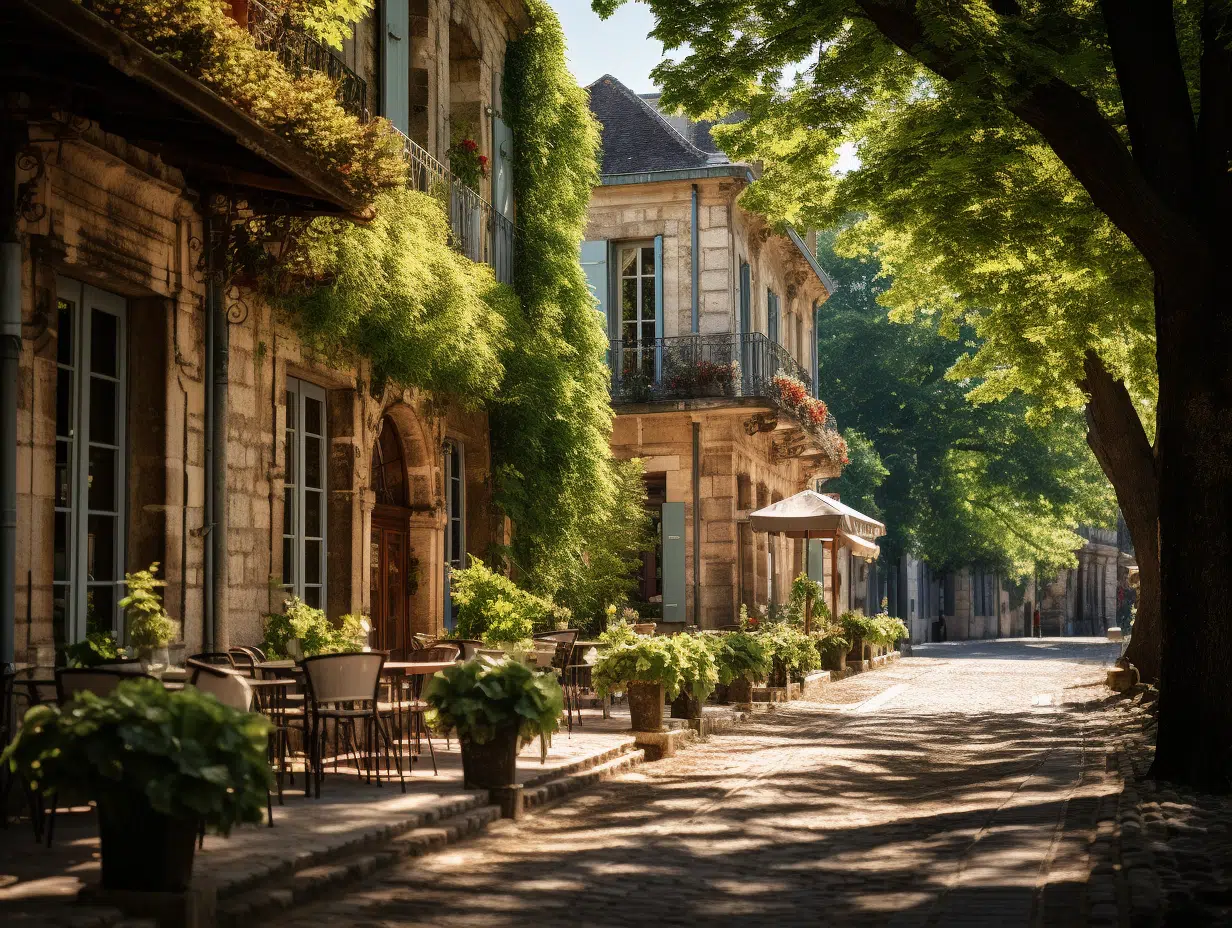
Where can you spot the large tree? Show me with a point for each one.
(1133, 100)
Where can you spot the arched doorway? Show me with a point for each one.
(392, 563)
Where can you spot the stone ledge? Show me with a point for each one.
(659, 744)
(563, 786)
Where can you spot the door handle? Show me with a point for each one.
(393, 35)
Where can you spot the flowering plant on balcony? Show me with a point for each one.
(794, 395)
(700, 377)
(467, 163)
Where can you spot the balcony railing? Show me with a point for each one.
(478, 229)
(702, 366)
(300, 53)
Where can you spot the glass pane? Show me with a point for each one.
(288, 511)
(312, 596)
(102, 411)
(313, 504)
(628, 262)
(64, 402)
(648, 260)
(312, 562)
(104, 344)
(290, 401)
(313, 416)
(64, 342)
(64, 476)
(312, 462)
(628, 299)
(648, 298)
(100, 548)
(100, 608)
(102, 479)
(60, 548)
(290, 452)
(288, 561)
(455, 539)
(630, 331)
(648, 331)
(59, 614)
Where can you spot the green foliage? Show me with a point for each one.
(315, 632)
(148, 626)
(891, 630)
(740, 656)
(96, 648)
(619, 631)
(481, 597)
(396, 292)
(199, 38)
(831, 642)
(699, 670)
(864, 474)
(183, 754)
(478, 699)
(506, 624)
(881, 629)
(649, 659)
(787, 644)
(328, 21)
(551, 423)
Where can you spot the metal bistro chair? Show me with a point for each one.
(344, 689)
(243, 660)
(217, 658)
(411, 701)
(562, 663)
(231, 689)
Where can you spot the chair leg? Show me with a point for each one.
(431, 753)
(269, 807)
(385, 734)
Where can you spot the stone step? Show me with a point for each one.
(541, 793)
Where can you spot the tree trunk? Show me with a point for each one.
(1194, 744)
(1115, 434)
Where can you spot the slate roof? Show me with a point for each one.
(636, 138)
(698, 131)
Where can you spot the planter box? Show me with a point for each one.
(740, 692)
(144, 850)
(685, 706)
(492, 765)
(646, 706)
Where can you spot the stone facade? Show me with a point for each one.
(1083, 600)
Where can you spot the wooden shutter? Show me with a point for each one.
(502, 154)
(594, 263)
(658, 266)
(396, 76)
(673, 563)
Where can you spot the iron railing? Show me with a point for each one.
(300, 53)
(478, 229)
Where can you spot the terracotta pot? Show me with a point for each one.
(646, 706)
(685, 706)
(144, 850)
(645, 628)
(740, 691)
(493, 764)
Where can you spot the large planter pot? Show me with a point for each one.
(646, 706)
(493, 764)
(778, 674)
(645, 628)
(740, 691)
(835, 660)
(857, 651)
(720, 694)
(685, 706)
(144, 850)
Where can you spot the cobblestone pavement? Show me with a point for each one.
(965, 785)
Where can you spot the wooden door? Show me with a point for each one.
(390, 596)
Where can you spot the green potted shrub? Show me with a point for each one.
(699, 674)
(645, 669)
(793, 653)
(476, 589)
(148, 626)
(890, 630)
(94, 649)
(742, 659)
(861, 631)
(160, 765)
(495, 709)
(301, 630)
(832, 647)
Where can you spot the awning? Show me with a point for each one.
(860, 547)
(811, 515)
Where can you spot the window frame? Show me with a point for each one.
(295, 443)
(644, 356)
(455, 503)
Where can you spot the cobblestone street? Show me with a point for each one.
(963, 785)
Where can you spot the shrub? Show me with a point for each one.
(477, 589)
(96, 648)
(699, 671)
(148, 625)
(184, 754)
(506, 626)
(479, 698)
(791, 648)
(857, 626)
(890, 630)
(831, 642)
(619, 632)
(316, 634)
(740, 656)
(649, 659)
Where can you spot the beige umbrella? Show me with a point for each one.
(810, 515)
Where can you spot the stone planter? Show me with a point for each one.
(834, 661)
(740, 691)
(720, 694)
(646, 706)
(645, 628)
(144, 850)
(856, 655)
(685, 706)
(491, 765)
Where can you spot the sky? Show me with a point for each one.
(618, 46)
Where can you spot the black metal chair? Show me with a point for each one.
(217, 658)
(562, 661)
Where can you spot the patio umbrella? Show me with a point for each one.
(811, 515)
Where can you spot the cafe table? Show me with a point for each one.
(417, 671)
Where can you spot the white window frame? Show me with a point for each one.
(85, 300)
(455, 501)
(298, 392)
(644, 314)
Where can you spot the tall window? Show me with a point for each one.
(303, 514)
(455, 506)
(772, 316)
(88, 536)
(637, 307)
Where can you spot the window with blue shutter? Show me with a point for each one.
(396, 79)
(673, 563)
(772, 316)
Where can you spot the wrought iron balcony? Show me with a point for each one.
(300, 53)
(479, 230)
(706, 366)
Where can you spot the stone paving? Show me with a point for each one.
(967, 785)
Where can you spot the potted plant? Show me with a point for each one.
(742, 659)
(161, 765)
(301, 631)
(860, 630)
(645, 669)
(699, 674)
(149, 627)
(832, 647)
(94, 649)
(495, 709)
(793, 653)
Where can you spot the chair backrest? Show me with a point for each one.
(467, 646)
(258, 653)
(243, 659)
(218, 658)
(564, 645)
(423, 641)
(229, 687)
(438, 652)
(565, 634)
(334, 678)
(73, 680)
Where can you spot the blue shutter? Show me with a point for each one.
(816, 560)
(502, 155)
(658, 258)
(746, 326)
(396, 96)
(673, 562)
(594, 263)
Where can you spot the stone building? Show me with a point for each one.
(1087, 599)
(709, 311)
(163, 411)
